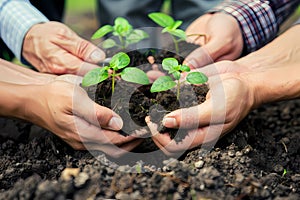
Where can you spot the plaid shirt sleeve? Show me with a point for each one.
(16, 18)
(259, 20)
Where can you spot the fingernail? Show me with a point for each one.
(170, 122)
(115, 123)
(97, 56)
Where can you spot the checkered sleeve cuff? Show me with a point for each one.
(16, 18)
(256, 19)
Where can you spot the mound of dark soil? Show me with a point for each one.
(258, 160)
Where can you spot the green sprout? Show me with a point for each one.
(170, 26)
(123, 30)
(171, 65)
(117, 62)
(284, 172)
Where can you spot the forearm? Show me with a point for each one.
(275, 69)
(12, 73)
(12, 101)
(259, 20)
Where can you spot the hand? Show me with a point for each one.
(67, 111)
(54, 48)
(230, 98)
(224, 39)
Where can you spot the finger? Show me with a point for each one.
(199, 58)
(93, 113)
(91, 133)
(153, 75)
(64, 62)
(70, 79)
(114, 151)
(212, 111)
(85, 67)
(160, 139)
(220, 68)
(79, 47)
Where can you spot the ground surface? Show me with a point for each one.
(260, 159)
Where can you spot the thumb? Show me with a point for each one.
(200, 57)
(95, 114)
(88, 51)
(80, 47)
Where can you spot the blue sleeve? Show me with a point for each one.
(16, 18)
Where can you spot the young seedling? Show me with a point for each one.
(171, 65)
(116, 65)
(170, 26)
(123, 30)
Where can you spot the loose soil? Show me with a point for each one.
(248, 163)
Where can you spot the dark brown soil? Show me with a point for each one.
(248, 163)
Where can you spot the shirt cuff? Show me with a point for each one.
(16, 18)
(256, 19)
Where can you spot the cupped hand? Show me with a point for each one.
(229, 100)
(52, 47)
(66, 110)
(223, 39)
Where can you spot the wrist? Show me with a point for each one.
(256, 30)
(275, 84)
(13, 99)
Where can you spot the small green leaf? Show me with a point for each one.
(178, 33)
(196, 78)
(166, 30)
(163, 83)
(102, 31)
(161, 19)
(109, 43)
(119, 60)
(135, 75)
(176, 75)
(136, 36)
(176, 24)
(122, 26)
(185, 68)
(94, 77)
(169, 63)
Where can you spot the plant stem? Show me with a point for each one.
(178, 89)
(122, 42)
(176, 44)
(113, 81)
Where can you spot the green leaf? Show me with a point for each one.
(122, 26)
(176, 24)
(166, 30)
(102, 31)
(185, 68)
(119, 60)
(109, 43)
(176, 75)
(169, 63)
(163, 83)
(135, 75)
(136, 36)
(94, 77)
(178, 33)
(161, 19)
(196, 78)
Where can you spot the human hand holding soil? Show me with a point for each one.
(59, 105)
(53, 47)
(236, 87)
(223, 39)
